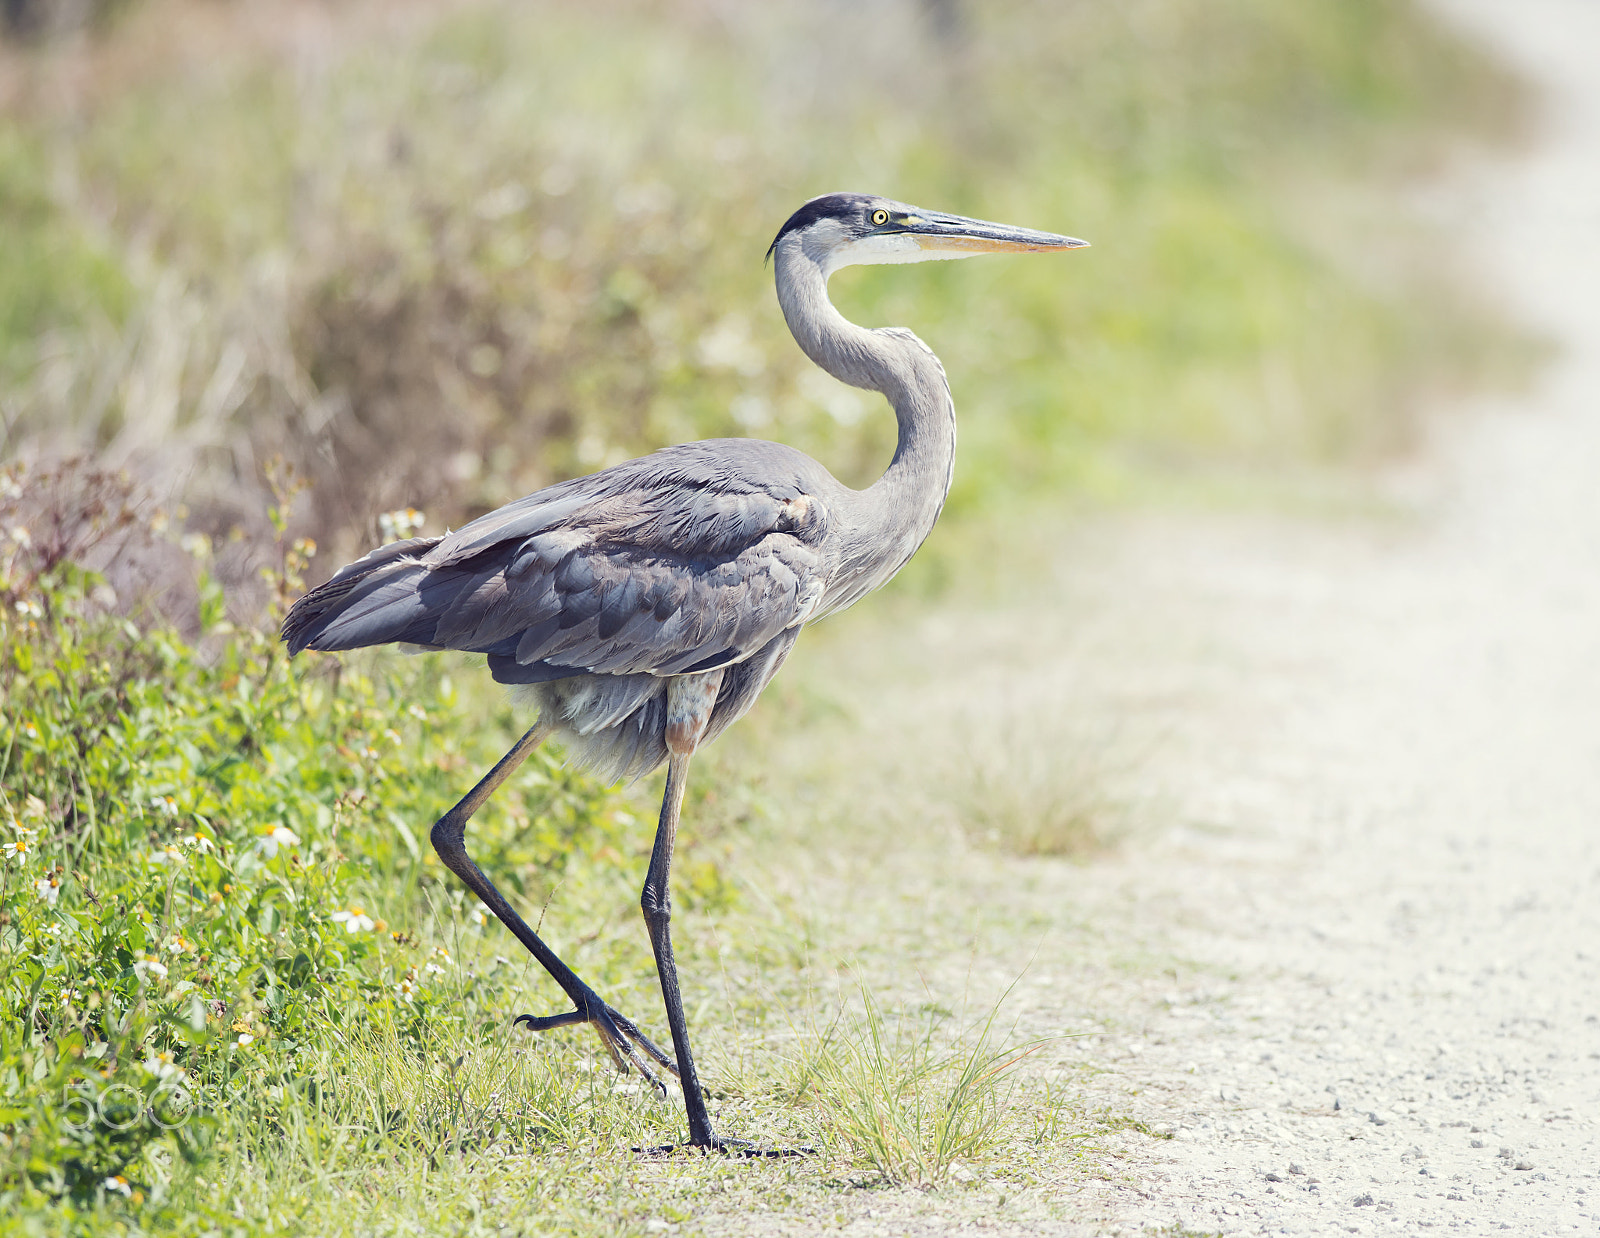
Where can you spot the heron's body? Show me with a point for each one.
(643, 608)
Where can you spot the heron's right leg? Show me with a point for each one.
(621, 1035)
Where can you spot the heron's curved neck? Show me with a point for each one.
(908, 497)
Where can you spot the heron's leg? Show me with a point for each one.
(689, 702)
(621, 1035)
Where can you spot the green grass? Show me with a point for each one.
(238, 994)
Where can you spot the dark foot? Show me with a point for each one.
(620, 1034)
(728, 1147)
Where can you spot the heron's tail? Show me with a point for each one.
(373, 601)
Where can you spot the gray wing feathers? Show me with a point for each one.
(369, 602)
(716, 496)
(489, 609)
(685, 565)
(523, 520)
(621, 613)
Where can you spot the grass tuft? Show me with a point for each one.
(1039, 783)
(914, 1096)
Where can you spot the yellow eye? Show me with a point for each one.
(880, 216)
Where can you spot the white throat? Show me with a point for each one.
(830, 246)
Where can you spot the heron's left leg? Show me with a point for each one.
(620, 1034)
(690, 699)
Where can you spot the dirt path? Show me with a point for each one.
(1388, 763)
(1350, 961)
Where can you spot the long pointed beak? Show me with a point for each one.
(955, 234)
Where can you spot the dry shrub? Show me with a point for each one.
(71, 515)
(436, 256)
(1049, 794)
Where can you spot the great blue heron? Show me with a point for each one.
(643, 608)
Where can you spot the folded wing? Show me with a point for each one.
(687, 560)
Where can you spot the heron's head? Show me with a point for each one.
(857, 229)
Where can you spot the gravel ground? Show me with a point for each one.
(1388, 887)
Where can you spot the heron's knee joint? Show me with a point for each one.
(448, 836)
(657, 907)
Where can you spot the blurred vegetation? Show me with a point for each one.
(440, 257)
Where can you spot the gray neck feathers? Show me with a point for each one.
(904, 503)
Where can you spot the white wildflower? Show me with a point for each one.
(274, 836)
(29, 609)
(120, 1184)
(49, 889)
(162, 1066)
(245, 1038)
(165, 805)
(199, 842)
(150, 965)
(354, 920)
(167, 855)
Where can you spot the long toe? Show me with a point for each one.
(626, 1043)
(621, 1036)
(631, 1030)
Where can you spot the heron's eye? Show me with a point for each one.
(880, 216)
